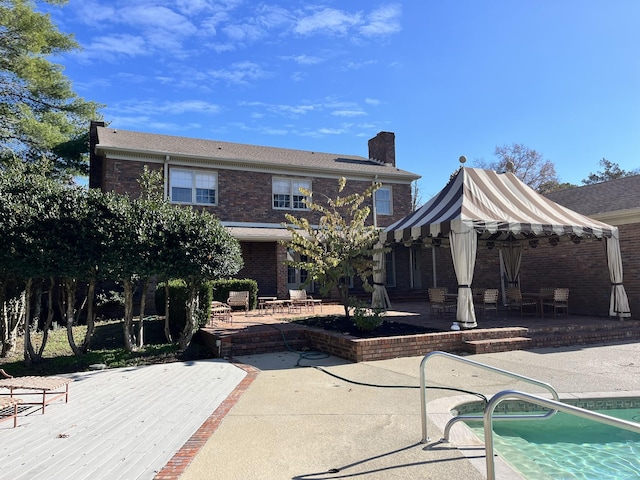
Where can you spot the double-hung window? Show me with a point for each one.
(286, 193)
(383, 201)
(193, 186)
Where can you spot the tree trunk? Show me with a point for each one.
(187, 333)
(344, 296)
(128, 315)
(167, 330)
(12, 318)
(29, 353)
(143, 301)
(49, 321)
(70, 287)
(91, 325)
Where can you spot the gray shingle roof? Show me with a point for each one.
(614, 195)
(110, 139)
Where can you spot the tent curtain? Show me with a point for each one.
(380, 297)
(512, 255)
(619, 303)
(463, 251)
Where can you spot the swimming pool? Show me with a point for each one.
(569, 447)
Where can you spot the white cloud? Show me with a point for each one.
(372, 101)
(109, 48)
(327, 20)
(280, 109)
(348, 113)
(382, 21)
(149, 108)
(304, 59)
(240, 73)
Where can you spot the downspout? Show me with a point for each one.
(166, 177)
(375, 213)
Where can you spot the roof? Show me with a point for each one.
(498, 206)
(615, 195)
(113, 141)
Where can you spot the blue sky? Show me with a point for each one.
(448, 77)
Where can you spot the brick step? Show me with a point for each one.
(494, 333)
(266, 347)
(493, 345)
(583, 337)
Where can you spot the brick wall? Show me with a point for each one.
(260, 265)
(246, 196)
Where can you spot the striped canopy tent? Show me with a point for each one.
(482, 206)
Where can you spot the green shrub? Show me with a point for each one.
(364, 318)
(178, 296)
(221, 289)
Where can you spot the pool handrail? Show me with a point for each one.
(543, 402)
(423, 384)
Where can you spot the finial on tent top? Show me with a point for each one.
(462, 159)
(510, 166)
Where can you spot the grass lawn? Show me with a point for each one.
(106, 347)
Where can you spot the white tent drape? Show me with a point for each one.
(619, 303)
(380, 297)
(463, 251)
(512, 256)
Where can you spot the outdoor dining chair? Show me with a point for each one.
(517, 302)
(559, 302)
(438, 304)
(488, 301)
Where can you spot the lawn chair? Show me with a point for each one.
(239, 299)
(438, 304)
(488, 301)
(51, 388)
(9, 409)
(299, 299)
(516, 302)
(560, 301)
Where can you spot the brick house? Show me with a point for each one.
(250, 188)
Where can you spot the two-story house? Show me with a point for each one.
(250, 188)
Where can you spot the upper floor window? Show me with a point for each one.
(383, 201)
(287, 195)
(192, 186)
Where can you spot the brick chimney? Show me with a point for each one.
(382, 148)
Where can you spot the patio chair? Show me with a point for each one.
(488, 301)
(50, 388)
(300, 298)
(438, 304)
(239, 299)
(559, 302)
(517, 302)
(220, 311)
(9, 409)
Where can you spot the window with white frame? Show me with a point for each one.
(383, 201)
(193, 186)
(286, 193)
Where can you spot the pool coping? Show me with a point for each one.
(439, 412)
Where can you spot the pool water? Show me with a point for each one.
(568, 447)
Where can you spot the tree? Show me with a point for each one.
(40, 115)
(196, 247)
(610, 171)
(526, 164)
(338, 248)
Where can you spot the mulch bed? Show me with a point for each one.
(340, 324)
